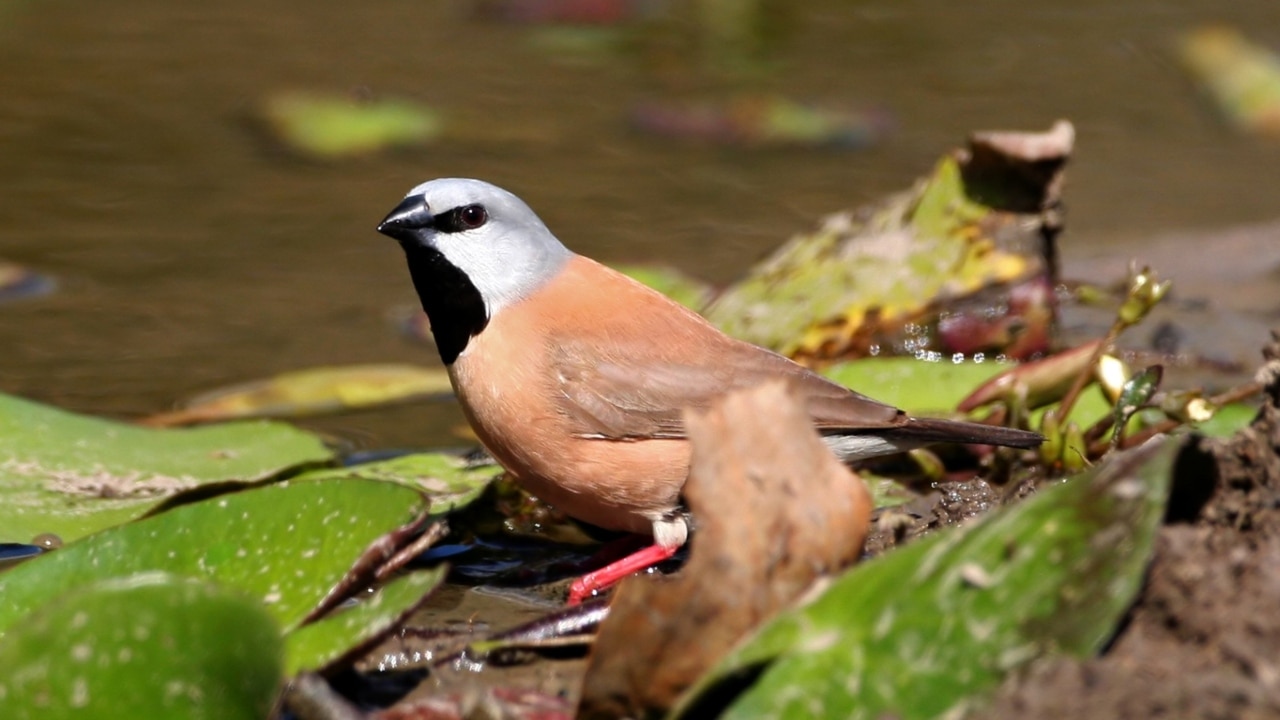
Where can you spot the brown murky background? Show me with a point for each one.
(191, 254)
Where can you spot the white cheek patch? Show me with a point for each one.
(479, 267)
(504, 267)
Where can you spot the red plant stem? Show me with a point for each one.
(1073, 394)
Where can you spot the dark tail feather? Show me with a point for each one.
(931, 430)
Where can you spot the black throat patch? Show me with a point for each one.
(450, 299)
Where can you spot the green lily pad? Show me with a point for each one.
(313, 391)
(917, 386)
(146, 646)
(344, 634)
(286, 544)
(925, 631)
(448, 480)
(330, 126)
(72, 474)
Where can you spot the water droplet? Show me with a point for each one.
(47, 541)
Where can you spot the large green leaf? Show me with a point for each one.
(287, 544)
(71, 474)
(147, 646)
(924, 631)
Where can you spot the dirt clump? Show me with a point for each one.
(1203, 639)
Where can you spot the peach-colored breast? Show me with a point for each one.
(505, 382)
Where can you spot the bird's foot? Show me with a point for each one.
(593, 582)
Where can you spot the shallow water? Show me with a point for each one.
(191, 254)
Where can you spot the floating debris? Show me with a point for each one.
(331, 126)
(566, 12)
(1242, 79)
(761, 120)
(310, 392)
(19, 283)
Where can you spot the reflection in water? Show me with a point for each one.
(190, 255)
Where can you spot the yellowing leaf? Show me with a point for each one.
(313, 391)
(972, 225)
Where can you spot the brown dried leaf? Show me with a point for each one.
(776, 510)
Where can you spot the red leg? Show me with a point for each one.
(589, 584)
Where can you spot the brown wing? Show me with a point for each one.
(611, 394)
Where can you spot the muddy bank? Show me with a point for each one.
(1202, 639)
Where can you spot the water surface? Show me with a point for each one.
(192, 254)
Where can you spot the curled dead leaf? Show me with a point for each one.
(775, 511)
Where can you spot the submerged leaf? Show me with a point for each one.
(145, 646)
(761, 120)
(72, 474)
(18, 283)
(925, 631)
(330, 126)
(311, 392)
(1242, 78)
(564, 12)
(287, 544)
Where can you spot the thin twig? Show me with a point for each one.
(1234, 395)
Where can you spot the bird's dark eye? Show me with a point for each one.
(472, 216)
(460, 219)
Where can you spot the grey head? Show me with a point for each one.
(473, 249)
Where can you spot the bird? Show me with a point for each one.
(574, 377)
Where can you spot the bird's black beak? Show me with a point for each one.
(409, 218)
